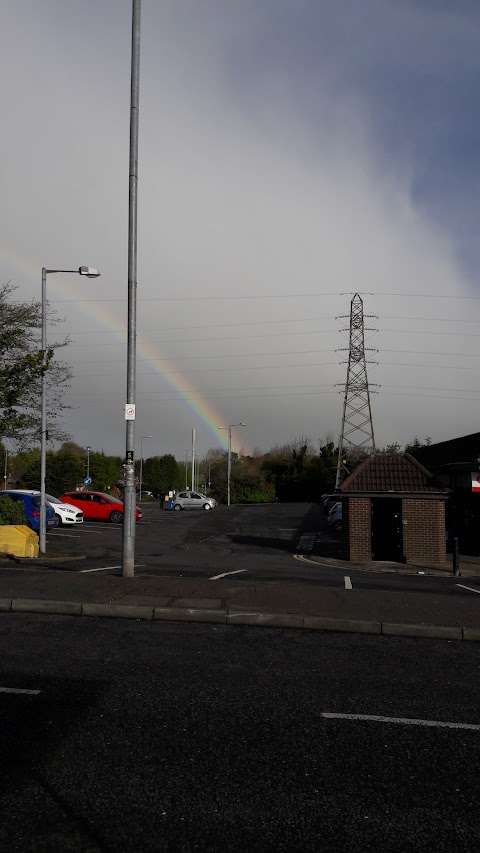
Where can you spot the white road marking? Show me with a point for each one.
(468, 587)
(107, 568)
(19, 690)
(66, 535)
(224, 575)
(404, 721)
(348, 582)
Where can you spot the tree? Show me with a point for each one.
(416, 444)
(162, 473)
(21, 370)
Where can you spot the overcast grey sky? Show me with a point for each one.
(291, 152)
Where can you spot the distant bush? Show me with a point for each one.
(11, 512)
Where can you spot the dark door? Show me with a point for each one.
(387, 530)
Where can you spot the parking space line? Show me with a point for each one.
(468, 587)
(107, 568)
(348, 582)
(403, 721)
(224, 574)
(66, 535)
(19, 690)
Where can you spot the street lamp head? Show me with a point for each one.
(90, 272)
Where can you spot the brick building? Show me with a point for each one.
(393, 510)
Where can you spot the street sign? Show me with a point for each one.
(87, 481)
(130, 411)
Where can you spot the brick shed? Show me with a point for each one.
(393, 510)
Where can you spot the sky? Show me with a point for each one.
(291, 153)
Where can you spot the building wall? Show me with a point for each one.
(424, 531)
(360, 530)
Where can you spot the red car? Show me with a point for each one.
(98, 505)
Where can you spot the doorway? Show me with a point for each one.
(387, 529)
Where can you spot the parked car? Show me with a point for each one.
(193, 500)
(31, 508)
(328, 501)
(65, 513)
(334, 520)
(97, 505)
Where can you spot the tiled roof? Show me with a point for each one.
(385, 472)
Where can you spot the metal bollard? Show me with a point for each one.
(456, 558)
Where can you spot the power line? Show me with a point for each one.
(223, 298)
(227, 338)
(209, 326)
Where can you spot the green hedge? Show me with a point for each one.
(11, 512)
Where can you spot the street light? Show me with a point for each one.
(90, 272)
(186, 469)
(229, 465)
(141, 463)
(88, 464)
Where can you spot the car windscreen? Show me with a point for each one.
(110, 498)
(52, 500)
(35, 500)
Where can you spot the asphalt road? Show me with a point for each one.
(165, 737)
(251, 541)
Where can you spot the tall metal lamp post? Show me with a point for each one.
(229, 464)
(141, 464)
(90, 272)
(88, 463)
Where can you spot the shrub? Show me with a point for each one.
(11, 512)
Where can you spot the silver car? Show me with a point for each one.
(192, 500)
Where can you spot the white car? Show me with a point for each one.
(64, 513)
(192, 500)
(335, 517)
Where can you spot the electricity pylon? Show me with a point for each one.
(357, 428)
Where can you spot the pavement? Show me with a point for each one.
(225, 600)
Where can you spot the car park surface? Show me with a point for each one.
(98, 506)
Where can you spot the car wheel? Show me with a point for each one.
(116, 517)
(177, 507)
(207, 506)
(58, 519)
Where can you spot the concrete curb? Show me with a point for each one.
(241, 618)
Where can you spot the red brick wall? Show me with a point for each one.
(359, 529)
(423, 531)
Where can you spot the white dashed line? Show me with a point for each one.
(224, 575)
(19, 690)
(348, 582)
(468, 587)
(403, 721)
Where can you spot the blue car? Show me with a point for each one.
(31, 508)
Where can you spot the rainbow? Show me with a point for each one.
(200, 408)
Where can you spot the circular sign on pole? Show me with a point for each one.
(87, 481)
